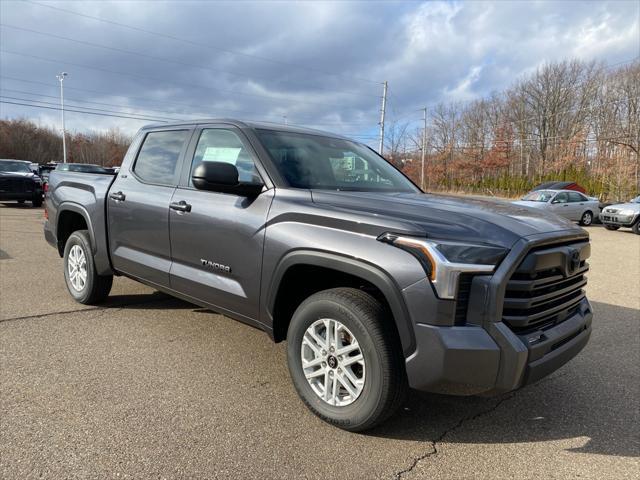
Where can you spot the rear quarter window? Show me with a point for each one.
(158, 157)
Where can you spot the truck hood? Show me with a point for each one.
(30, 175)
(439, 216)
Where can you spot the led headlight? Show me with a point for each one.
(444, 261)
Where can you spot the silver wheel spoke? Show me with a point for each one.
(332, 362)
(351, 360)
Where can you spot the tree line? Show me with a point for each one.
(570, 120)
(22, 139)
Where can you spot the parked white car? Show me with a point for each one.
(622, 215)
(566, 203)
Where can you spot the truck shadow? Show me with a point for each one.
(589, 404)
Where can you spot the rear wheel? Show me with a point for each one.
(587, 218)
(636, 227)
(83, 283)
(345, 359)
(611, 227)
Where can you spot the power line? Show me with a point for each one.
(80, 111)
(139, 114)
(198, 44)
(169, 60)
(156, 79)
(164, 102)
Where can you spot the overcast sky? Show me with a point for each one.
(319, 64)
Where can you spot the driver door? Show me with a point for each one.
(560, 205)
(217, 244)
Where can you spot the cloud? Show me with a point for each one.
(327, 59)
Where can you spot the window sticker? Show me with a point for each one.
(221, 154)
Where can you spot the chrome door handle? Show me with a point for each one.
(117, 196)
(180, 207)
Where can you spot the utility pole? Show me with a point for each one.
(424, 146)
(60, 78)
(382, 112)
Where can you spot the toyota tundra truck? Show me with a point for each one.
(376, 286)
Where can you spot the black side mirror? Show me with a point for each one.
(223, 177)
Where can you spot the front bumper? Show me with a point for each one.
(469, 360)
(617, 220)
(486, 356)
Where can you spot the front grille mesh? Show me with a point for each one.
(546, 288)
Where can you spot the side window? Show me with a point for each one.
(576, 197)
(158, 157)
(219, 145)
(562, 197)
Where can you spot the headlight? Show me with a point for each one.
(444, 261)
(626, 212)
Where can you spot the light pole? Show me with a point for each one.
(60, 78)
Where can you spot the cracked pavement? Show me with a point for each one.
(148, 386)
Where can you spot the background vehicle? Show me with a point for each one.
(561, 186)
(622, 215)
(19, 183)
(567, 203)
(316, 239)
(84, 168)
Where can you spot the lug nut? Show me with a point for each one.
(331, 349)
(324, 352)
(324, 364)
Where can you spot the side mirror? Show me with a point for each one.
(223, 177)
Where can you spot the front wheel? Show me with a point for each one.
(587, 218)
(83, 283)
(345, 359)
(636, 227)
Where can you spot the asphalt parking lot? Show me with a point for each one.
(151, 387)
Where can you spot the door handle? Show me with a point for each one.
(181, 206)
(117, 196)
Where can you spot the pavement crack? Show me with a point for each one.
(113, 307)
(434, 443)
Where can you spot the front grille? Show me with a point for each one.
(15, 185)
(546, 288)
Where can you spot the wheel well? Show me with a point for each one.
(301, 281)
(68, 222)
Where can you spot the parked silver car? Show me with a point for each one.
(566, 203)
(622, 215)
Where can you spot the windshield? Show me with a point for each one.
(327, 163)
(539, 196)
(19, 167)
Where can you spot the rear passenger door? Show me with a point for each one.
(138, 206)
(560, 205)
(577, 203)
(217, 244)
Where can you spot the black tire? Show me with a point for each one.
(97, 287)
(385, 384)
(611, 227)
(636, 227)
(20, 202)
(36, 202)
(587, 218)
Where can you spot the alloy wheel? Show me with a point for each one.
(77, 268)
(332, 362)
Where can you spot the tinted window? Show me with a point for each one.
(562, 197)
(576, 197)
(218, 145)
(318, 162)
(158, 158)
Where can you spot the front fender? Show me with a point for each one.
(356, 267)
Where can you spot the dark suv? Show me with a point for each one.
(317, 240)
(19, 183)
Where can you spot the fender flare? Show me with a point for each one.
(79, 209)
(359, 268)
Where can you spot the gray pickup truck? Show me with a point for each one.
(317, 240)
